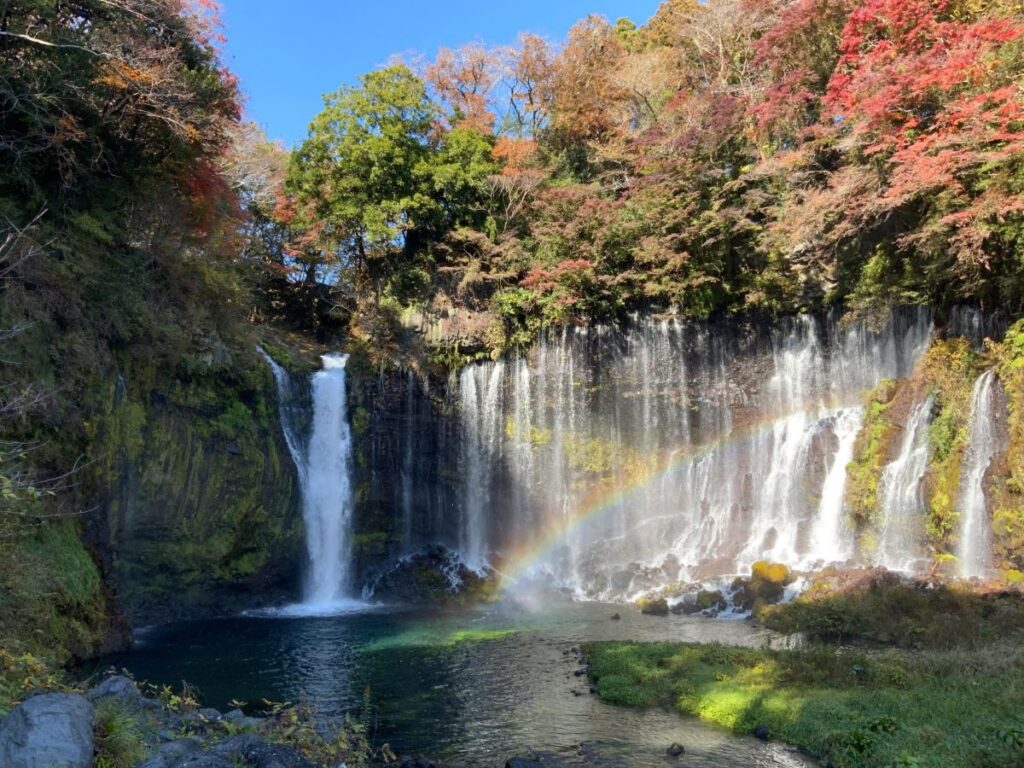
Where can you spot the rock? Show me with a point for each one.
(239, 719)
(616, 617)
(417, 761)
(621, 580)
(675, 749)
(433, 576)
(124, 691)
(257, 753)
(199, 760)
(687, 604)
(523, 762)
(170, 753)
(762, 732)
(209, 713)
(765, 586)
(48, 731)
(711, 600)
(653, 606)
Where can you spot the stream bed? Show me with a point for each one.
(469, 687)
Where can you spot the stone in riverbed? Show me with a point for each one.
(653, 606)
(53, 730)
(675, 749)
(762, 732)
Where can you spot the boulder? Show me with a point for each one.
(434, 576)
(172, 754)
(239, 719)
(765, 586)
(254, 752)
(122, 690)
(675, 749)
(653, 606)
(53, 730)
(762, 732)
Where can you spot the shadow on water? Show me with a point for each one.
(469, 687)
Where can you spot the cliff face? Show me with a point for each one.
(201, 506)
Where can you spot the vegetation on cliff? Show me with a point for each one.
(123, 308)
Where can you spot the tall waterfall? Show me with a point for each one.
(693, 448)
(832, 541)
(902, 500)
(974, 551)
(324, 465)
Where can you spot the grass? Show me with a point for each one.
(936, 681)
(883, 610)
(119, 737)
(940, 709)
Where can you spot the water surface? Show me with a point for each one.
(468, 688)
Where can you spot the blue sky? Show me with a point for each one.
(288, 54)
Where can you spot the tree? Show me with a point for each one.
(379, 178)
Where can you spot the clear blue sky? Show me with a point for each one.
(288, 54)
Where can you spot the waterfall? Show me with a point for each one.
(975, 550)
(831, 535)
(608, 458)
(900, 546)
(324, 466)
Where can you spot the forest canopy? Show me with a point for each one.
(725, 156)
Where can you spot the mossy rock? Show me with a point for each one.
(653, 606)
(765, 586)
(711, 599)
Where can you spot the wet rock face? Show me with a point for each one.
(433, 576)
(48, 731)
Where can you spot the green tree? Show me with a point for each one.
(378, 178)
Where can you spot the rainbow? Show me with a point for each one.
(599, 501)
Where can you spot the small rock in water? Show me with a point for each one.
(675, 750)
(762, 732)
(616, 617)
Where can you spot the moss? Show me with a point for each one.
(360, 420)
(950, 369)
(765, 585)
(653, 606)
(52, 602)
(204, 505)
(373, 543)
(870, 454)
(1007, 488)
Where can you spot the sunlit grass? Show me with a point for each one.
(941, 709)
